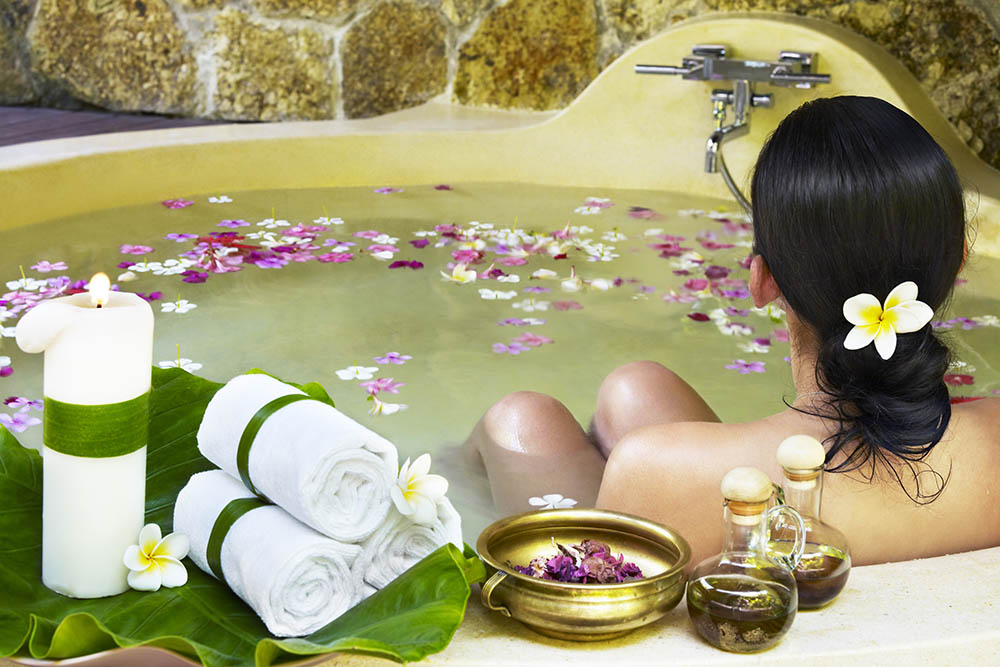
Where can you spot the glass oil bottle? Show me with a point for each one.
(822, 572)
(741, 600)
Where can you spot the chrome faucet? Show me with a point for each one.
(708, 62)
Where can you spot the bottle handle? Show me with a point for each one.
(792, 559)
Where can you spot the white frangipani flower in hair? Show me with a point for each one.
(417, 492)
(901, 313)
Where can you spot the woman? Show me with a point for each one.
(851, 197)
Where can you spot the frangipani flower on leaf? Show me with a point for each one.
(901, 313)
(417, 492)
(156, 562)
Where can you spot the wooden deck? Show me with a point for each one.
(23, 124)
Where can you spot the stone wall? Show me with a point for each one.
(313, 59)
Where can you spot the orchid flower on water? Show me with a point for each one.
(417, 492)
(901, 313)
(156, 562)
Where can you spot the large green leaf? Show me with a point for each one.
(414, 616)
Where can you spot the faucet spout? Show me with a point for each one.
(714, 144)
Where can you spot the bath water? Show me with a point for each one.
(329, 282)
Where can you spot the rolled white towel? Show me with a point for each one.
(319, 465)
(398, 544)
(294, 578)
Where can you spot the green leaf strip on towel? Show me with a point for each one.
(251, 430)
(227, 517)
(96, 431)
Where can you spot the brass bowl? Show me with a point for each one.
(582, 612)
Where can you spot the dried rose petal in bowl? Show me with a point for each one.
(589, 562)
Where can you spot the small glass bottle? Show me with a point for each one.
(822, 571)
(741, 600)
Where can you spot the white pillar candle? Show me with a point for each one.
(98, 354)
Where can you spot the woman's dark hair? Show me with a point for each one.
(852, 195)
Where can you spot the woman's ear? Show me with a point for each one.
(763, 288)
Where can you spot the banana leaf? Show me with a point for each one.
(414, 616)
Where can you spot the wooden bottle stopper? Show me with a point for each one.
(746, 491)
(802, 457)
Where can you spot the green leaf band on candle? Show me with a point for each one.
(96, 431)
(250, 432)
(227, 517)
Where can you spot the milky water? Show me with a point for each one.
(306, 312)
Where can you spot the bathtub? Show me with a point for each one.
(625, 134)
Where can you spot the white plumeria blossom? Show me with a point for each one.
(271, 236)
(552, 501)
(771, 311)
(169, 267)
(601, 284)
(221, 199)
(380, 407)
(385, 239)
(324, 220)
(340, 248)
(417, 492)
(532, 321)
(494, 295)
(4, 362)
(574, 284)
(422, 233)
(182, 363)
(987, 320)
(587, 210)
(754, 347)
(461, 275)
(530, 305)
(357, 372)
(653, 231)
(614, 236)
(156, 562)
(384, 255)
(6, 314)
(734, 329)
(180, 306)
(27, 284)
(957, 364)
(689, 260)
(509, 278)
(475, 224)
(901, 313)
(475, 244)
(271, 223)
(544, 273)
(127, 277)
(8, 332)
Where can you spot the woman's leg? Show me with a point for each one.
(532, 446)
(643, 393)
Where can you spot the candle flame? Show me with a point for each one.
(100, 287)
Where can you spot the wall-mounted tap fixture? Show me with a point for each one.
(708, 62)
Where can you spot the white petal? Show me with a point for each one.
(146, 580)
(885, 341)
(404, 471)
(901, 293)
(425, 511)
(399, 500)
(149, 536)
(172, 571)
(862, 309)
(134, 559)
(174, 545)
(911, 316)
(536, 501)
(432, 486)
(552, 497)
(421, 466)
(860, 336)
(565, 503)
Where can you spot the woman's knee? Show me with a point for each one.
(634, 382)
(528, 422)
